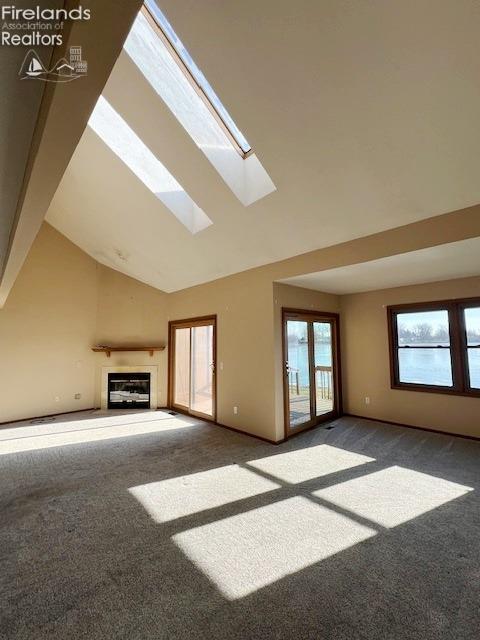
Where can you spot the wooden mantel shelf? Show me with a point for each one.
(108, 350)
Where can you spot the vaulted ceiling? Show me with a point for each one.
(364, 114)
(41, 124)
(19, 109)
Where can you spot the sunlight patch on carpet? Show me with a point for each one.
(182, 496)
(392, 496)
(74, 432)
(309, 463)
(252, 550)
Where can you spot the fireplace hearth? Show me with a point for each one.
(128, 390)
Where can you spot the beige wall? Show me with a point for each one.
(245, 376)
(132, 313)
(366, 369)
(46, 330)
(62, 304)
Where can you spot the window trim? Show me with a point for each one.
(191, 79)
(458, 345)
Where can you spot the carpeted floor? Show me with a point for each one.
(144, 525)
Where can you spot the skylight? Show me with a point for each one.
(163, 60)
(125, 143)
(198, 76)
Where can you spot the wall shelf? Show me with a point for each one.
(108, 350)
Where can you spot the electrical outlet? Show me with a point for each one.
(235, 410)
(78, 396)
(367, 400)
(57, 398)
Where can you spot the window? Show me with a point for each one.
(424, 353)
(436, 346)
(472, 326)
(159, 54)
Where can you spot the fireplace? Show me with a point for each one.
(148, 374)
(128, 390)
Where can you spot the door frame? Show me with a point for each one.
(311, 315)
(188, 323)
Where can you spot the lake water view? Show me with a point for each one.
(421, 366)
(298, 358)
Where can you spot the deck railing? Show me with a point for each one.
(293, 380)
(323, 375)
(323, 381)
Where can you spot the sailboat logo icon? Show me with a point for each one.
(32, 66)
(63, 71)
(35, 67)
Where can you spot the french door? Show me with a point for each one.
(312, 387)
(192, 354)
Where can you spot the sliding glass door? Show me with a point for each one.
(298, 372)
(311, 380)
(324, 367)
(192, 366)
